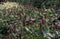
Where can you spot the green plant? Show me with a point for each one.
(20, 22)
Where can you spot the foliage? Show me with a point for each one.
(26, 23)
(40, 3)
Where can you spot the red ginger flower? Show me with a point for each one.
(10, 36)
(43, 19)
(56, 26)
(6, 37)
(10, 29)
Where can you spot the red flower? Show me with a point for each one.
(10, 36)
(10, 29)
(56, 26)
(43, 19)
(6, 37)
